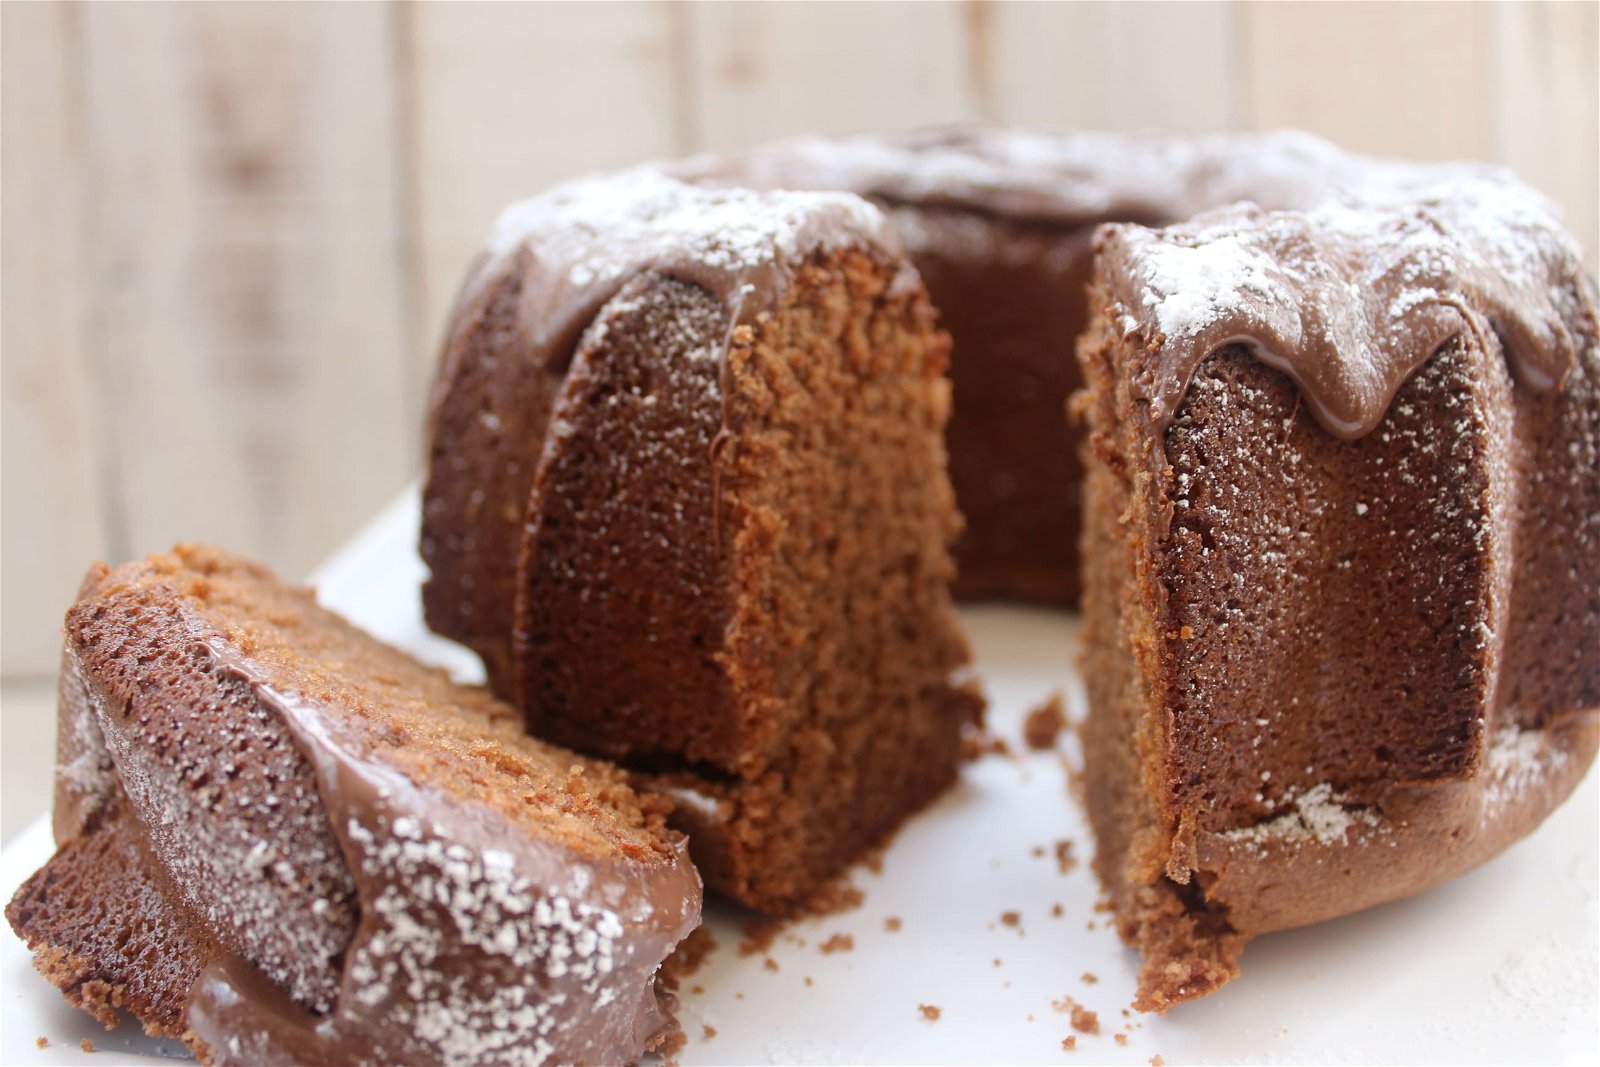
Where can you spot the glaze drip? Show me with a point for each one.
(1350, 297)
(477, 942)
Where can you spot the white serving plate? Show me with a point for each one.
(1500, 966)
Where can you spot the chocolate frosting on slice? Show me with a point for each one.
(581, 242)
(559, 258)
(477, 942)
(1350, 297)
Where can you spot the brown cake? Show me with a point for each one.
(282, 841)
(1342, 553)
(687, 497)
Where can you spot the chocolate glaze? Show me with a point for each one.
(1061, 177)
(1345, 272)
(476, 941)
(1349, 298)
(582, 242)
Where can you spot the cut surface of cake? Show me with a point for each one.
(1343, 557)
(687, 496)
(280, 840)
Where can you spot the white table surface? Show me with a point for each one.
(1500, 966)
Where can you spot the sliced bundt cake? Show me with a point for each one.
(282, 841)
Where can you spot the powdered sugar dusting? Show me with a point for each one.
(600, 228)
(248, 851)
(439, 899)
(1516, 762)
(85, 775)
(1316, 814)
(1350, 296)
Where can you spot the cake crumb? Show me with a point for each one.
(86, 1045)
(770, 964)
(1064, 857)
(809, 981)
(977, 744)
(1083, 1020)
(672, 1044)
(759, 935)
(707, 1032)
(1157, 1061)
(997, 961)
(1057, 910)
(688, 957)
(1011, 918)
(697, 990)
(738, 996)
(1090, 978)
(840, 942)
(1044, 724)
(929, 1012)
(892, 924)
(1070, 1042)
(41, 1042)
(835, 897)
(1121, 1039)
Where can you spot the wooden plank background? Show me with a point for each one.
(231, 230)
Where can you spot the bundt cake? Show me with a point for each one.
(687, 497)
(281, 841)
(1314, 637)
(1343, 556)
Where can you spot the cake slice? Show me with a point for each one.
(687, 496)
(280, 840)
(1342, 558)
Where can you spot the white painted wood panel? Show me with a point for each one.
(759, 71)
(508, 99)
(1545, 105)
(1151, 66)
(244, 305)
(53, 515)
(1390, 78)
